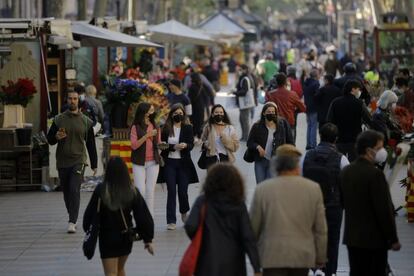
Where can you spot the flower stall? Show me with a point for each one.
(121, 100)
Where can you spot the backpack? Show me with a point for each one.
(323, 166)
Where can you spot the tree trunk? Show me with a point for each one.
(100, 7)
(82, 8)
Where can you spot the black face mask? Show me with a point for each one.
(178, 118)
(270, 117)
(152, 116)
(218, 118)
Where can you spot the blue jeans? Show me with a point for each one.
(176, 175)
(311, 134)
(262, 170)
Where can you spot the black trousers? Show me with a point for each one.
(176, 174)
(70, 180)
(364, 262)
(334, 221)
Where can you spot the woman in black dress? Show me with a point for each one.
(227, 233)
(118, 198)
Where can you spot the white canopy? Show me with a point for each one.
(92, 36)
(175, 32)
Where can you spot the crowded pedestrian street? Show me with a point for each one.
(33, 242)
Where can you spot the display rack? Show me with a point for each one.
(392, 44)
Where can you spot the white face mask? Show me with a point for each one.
(358, 94)
(381, 156)
(82, 97)
(393, 106)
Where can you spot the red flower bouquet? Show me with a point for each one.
(19, 92)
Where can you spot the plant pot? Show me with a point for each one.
(119, 115)
(13, 116)
(24, 136)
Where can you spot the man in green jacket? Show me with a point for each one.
(70, 130)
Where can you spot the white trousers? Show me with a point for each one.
(145, 178)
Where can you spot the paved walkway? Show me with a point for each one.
(33, 240)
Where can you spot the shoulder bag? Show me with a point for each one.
(91, 235)
(189, 261)
(131, 232)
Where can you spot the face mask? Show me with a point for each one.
(270, 117)
(152, 116)
(381, 156)
(358, 94)
(178, 118)
(393, 106)
(82, 98)
(218, 118)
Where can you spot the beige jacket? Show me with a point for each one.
(288, 219)
(229, 139)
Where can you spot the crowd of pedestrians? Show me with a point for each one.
(295, 217)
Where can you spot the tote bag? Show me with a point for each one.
(248, 100)
(91, 235)
(189, 262)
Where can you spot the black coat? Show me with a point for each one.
(369, 212)
(186, 136)
(259, 132)
(310, 88)
(383, 123)
(227, 237)
(324, 98)
(348, 113)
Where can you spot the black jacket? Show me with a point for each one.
(348, 113)
(324, 98)
(383, 123)
(227, 237)
(369, 212)
(259, 132)
(186, 136)
(111, 221)
(310, 88)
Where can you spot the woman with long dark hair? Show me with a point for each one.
(117, 198)
(196, 93)
(227, 234)
(179, 170)
(265, 137)
(145, 158)
(219, 137)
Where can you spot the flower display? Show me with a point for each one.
(123, 91)
(19, 92)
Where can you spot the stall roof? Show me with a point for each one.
(221, 24)
(175, 32)
(92, 36)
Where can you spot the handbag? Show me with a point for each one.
(91, 235)
(249, 155)
(189, 261)
(131, 232)
(247, 101)
(202, 161)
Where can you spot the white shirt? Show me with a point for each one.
(269, 143)
(174, 140)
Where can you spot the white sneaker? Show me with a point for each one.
(310, 273)
(171, 226)
(184, 217)
(71, 228)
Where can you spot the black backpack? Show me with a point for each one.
(323, 166)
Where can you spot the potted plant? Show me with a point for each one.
(15, 96)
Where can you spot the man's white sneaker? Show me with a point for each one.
(319, 273)
(171, 226)
(71, 228)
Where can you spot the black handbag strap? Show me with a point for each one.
(99, 206)
(124, 220)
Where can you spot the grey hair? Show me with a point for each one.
(314, 73)
(284, 163)
(387, 98)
